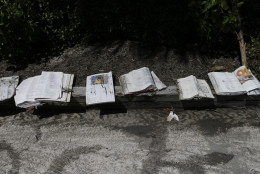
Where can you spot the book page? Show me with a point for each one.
(49, 85)
(66, 89)
(243, 74)
(187, 87)
(100, 89)
(250, 85)
(226, 83)
(26, 91)
(204, 89)
(137, 81)
(7, 87)
(158, 83)
(254, 92)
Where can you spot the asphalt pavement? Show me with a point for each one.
(225, 140)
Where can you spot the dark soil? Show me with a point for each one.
(121, 57)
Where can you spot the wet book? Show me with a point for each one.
(192, 88)
(100, 89)
(239, 82)
(140, 80)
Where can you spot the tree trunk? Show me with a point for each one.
(242, 44)
(242, 47)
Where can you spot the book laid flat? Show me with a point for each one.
(192, 88)
(239, 82)
(140, 80)
(100, 89)
(49, 86)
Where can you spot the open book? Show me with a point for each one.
(7, 87)
(140, 80)
(67, 83)
(49, 86)
(241, 81)
(191, 88)
(100, 89)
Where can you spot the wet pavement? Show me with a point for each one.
(137, 141)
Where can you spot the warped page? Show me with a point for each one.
(226, 83)
(251, 85)
(137, 81)
(243, 74)
(7, 87)
(158, 83)
(188, 88)
(26, 91)
(50, 85)
(204, 89)
(254, 92)
(66, 89)
(100, 89)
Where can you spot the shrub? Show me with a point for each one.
(253, 55)
(32, 26)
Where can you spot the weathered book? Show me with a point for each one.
(239, 82)
(7, 87)
(192, 88)
(49, 86)
(100, 89)
(67, 82)
(140, 80)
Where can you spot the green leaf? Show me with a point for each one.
(224, 5)
(225, 21)
(240, 4)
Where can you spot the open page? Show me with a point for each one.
(254, 92)
(26, 91)
(226, 83)
(158, 83)
(49, 85)
(243, 74)
(66, 89)
(100, 89)
(7, 87)
(188, 88)
(204, 89)
(137, 81)
(251, 85)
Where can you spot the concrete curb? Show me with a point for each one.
(167, 98)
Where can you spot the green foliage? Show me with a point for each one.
(220, 17)
(152, 22)
(32, 26)
(253, 55)
(16, 28)
(28, 27)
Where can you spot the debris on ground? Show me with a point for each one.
(172, 116)
(217, 68)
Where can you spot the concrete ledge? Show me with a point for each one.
(166, 98)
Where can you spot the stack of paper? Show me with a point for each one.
(100, 89)
(140, 80)
(190, 88)
(49, 86)
(7, 87)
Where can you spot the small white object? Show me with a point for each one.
(172, 116)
